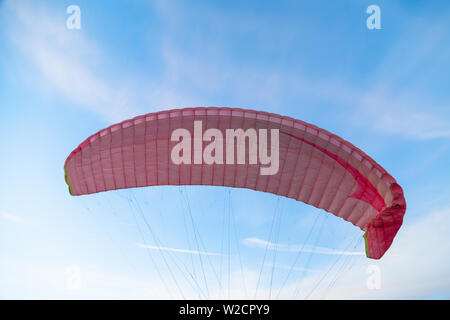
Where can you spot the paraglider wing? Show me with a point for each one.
(243, 149)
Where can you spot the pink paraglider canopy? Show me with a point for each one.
(243, 149)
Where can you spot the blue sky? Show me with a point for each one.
(386, 91)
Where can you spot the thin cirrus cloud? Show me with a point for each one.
(16, 219)
(297, 248)
(179, 250)
(69, 62)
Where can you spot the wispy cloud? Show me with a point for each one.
(297, 248)
(16, 219)
(67, 60)
(290, 268)
(402, 113)
(178, 250)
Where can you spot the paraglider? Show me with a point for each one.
(243, 149)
